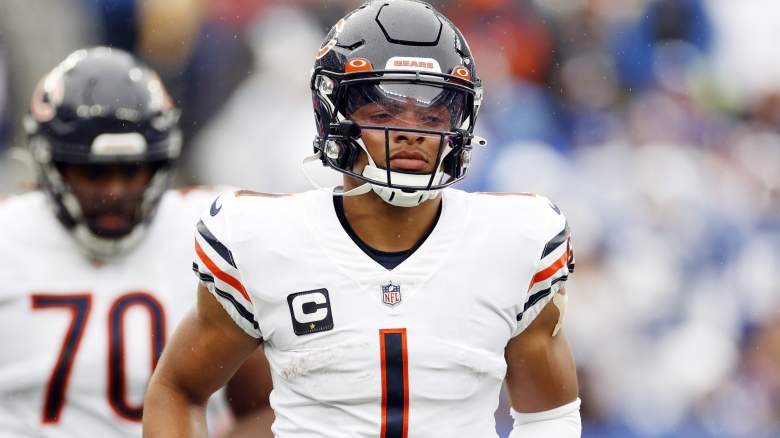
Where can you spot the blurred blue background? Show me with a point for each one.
(653, 124)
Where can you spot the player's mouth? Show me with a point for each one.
(409, 160)
(112, 222)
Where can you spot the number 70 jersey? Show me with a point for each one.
(79, 340)
(357, 350)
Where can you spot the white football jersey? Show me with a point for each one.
(80, 339)
(357, 350)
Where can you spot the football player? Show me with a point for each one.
(90, 294)
(393, 306)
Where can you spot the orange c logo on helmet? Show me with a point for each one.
(462, 72)
(47, 95)
(358, 65)
(337, 29)
(325, 49)
(41, 110)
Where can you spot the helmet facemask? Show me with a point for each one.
(84, 212)
(421, 121)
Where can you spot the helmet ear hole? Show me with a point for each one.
(351, 156)
(453, 162)
(343, 153)
(349, 129)
(450, 164)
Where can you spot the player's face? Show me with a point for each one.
(110, 195)
(413, 152)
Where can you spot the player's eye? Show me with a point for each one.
(380, 117)
(433, 120)
(436, 117)
(95, 173)
(129, 170)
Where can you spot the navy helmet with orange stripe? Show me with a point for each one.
(101, 114)
(392, 53)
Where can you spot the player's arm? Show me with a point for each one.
(247, 394)
(203, 354)
(542, 380)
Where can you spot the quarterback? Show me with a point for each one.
(393, 306)
(90, 294)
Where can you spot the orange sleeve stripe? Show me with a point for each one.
(550, 270)
(222, 275)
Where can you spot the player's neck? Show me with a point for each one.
(388, 228)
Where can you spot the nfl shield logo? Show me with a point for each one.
(391, 294)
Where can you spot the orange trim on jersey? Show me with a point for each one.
(382, 365)
(550, 270)
(186, 190)
(405, 362)
(222, 275)
(406, 382)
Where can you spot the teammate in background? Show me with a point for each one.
(393, 307)
(90, 295)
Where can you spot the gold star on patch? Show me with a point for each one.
(311, 326)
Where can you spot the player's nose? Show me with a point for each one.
(115, 185)
(407, 137)
(407, 119)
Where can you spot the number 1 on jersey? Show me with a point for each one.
(395, 383)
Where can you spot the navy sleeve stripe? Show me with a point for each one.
(221, 249)
(556, 241)
(241, 309)
(533, 299)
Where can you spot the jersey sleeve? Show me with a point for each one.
(215, 264)
(553, 267)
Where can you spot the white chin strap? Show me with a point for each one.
(395, 196)
(94, 246)
(99, 248)
(392, 196)
(399, 197)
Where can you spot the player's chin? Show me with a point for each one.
(113, 228)
(110, 234)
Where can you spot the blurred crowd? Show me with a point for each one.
(653, 124)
